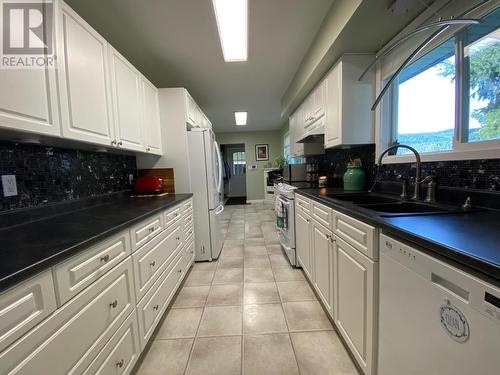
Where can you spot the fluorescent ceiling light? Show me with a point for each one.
(241, 118)
(231, 18)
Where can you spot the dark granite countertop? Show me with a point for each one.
(469, 238)
(30, 247)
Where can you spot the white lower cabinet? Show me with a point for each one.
(111, 300)
(338, 256)
(68, 341)
(355, 284)
(322, 246)
(120, 354)
(303, 241)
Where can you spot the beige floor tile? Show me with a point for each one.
(322, 353)
(288, 274)
(205, 266)
(230, 294)
(254, 235)
(270, 355)
(166, 357)
(261, 261)
(234, 243)
(306, 316)
(228, 276)
(260, 293)
(235, 235)
(255, 250)
(258, 275)
(192, 296)
(274, 249)
(279, 260)
(291, 291)
(215, 356)
(221, 321)
(180, 323)
(231, 262)
(233, 251)
(267, 318)
(254, 241)
(198, 278)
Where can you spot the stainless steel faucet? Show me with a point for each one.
(416, 193)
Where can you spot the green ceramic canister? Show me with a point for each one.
(354, 178)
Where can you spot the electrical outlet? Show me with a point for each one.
(9, 185)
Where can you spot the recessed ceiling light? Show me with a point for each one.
(241, 118)
(231, 16)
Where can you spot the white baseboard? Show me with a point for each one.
(255, 201)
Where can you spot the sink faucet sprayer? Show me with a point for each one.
(416, 194)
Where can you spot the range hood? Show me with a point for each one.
(315, 132)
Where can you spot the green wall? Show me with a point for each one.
(255, 177)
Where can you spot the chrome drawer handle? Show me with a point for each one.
(105, 258)
(153, 263)
(120, 363)
(113, 304)
(156, 307)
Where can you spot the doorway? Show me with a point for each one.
(235, 181)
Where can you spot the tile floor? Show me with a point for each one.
(248, 313)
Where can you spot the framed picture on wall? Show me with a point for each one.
(262, 152)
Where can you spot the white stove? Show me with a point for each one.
(284, 203)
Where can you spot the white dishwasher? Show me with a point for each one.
(434, 318)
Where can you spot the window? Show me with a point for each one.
(239, 163)
(463, 70)
(286, 146)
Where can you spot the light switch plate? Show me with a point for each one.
(9, 185)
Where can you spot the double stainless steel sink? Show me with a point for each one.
(388, 206)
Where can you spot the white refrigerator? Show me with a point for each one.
(206, 184)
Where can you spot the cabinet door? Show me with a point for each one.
(192, 109)
(303, 242)
(28, 101)
(333, 97)
(319, 101)
(127, 102)
(151, 118)
(84, 81)
(355, 304)
(322, 244)
(296, 149)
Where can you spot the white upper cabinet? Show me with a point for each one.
(314, 105)
(151, 118)
(28, 101)
(193, 116)
(296, 149)
(84, 82)
(126, 86)
(349, 119)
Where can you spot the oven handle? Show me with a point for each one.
(286, 203)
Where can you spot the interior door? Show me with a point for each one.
(236, 159)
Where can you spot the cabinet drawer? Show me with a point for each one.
(356, 233)
(78, 272)
(188, 233)
(145, 231)
(151, 259)
(24, 306)
(187, 206)
(303, 203)
(188, 219)
(172, 216)
(188, 256)
(322, 214)
(68, 341)
(120, 354)
(151, 308)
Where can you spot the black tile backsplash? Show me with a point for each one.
(49, 174)
(462, 174)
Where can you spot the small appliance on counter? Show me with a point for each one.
(322, 181)
(355, 176)
(148, 185)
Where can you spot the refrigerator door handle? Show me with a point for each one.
(219, 158)
(219, 210)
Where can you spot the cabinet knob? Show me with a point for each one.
(120, 363)
(113, 304)
(148, 149)
(153, 263)
(177, 238)
(120, 143)
(105, 258)
(113, 142)
(152, 229)
(180, 271)
(156, 307)
(308, 220)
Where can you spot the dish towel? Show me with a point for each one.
(278, 207)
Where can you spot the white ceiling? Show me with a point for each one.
(175, 43)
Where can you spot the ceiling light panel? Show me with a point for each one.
(240, 118)
(232, 21)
